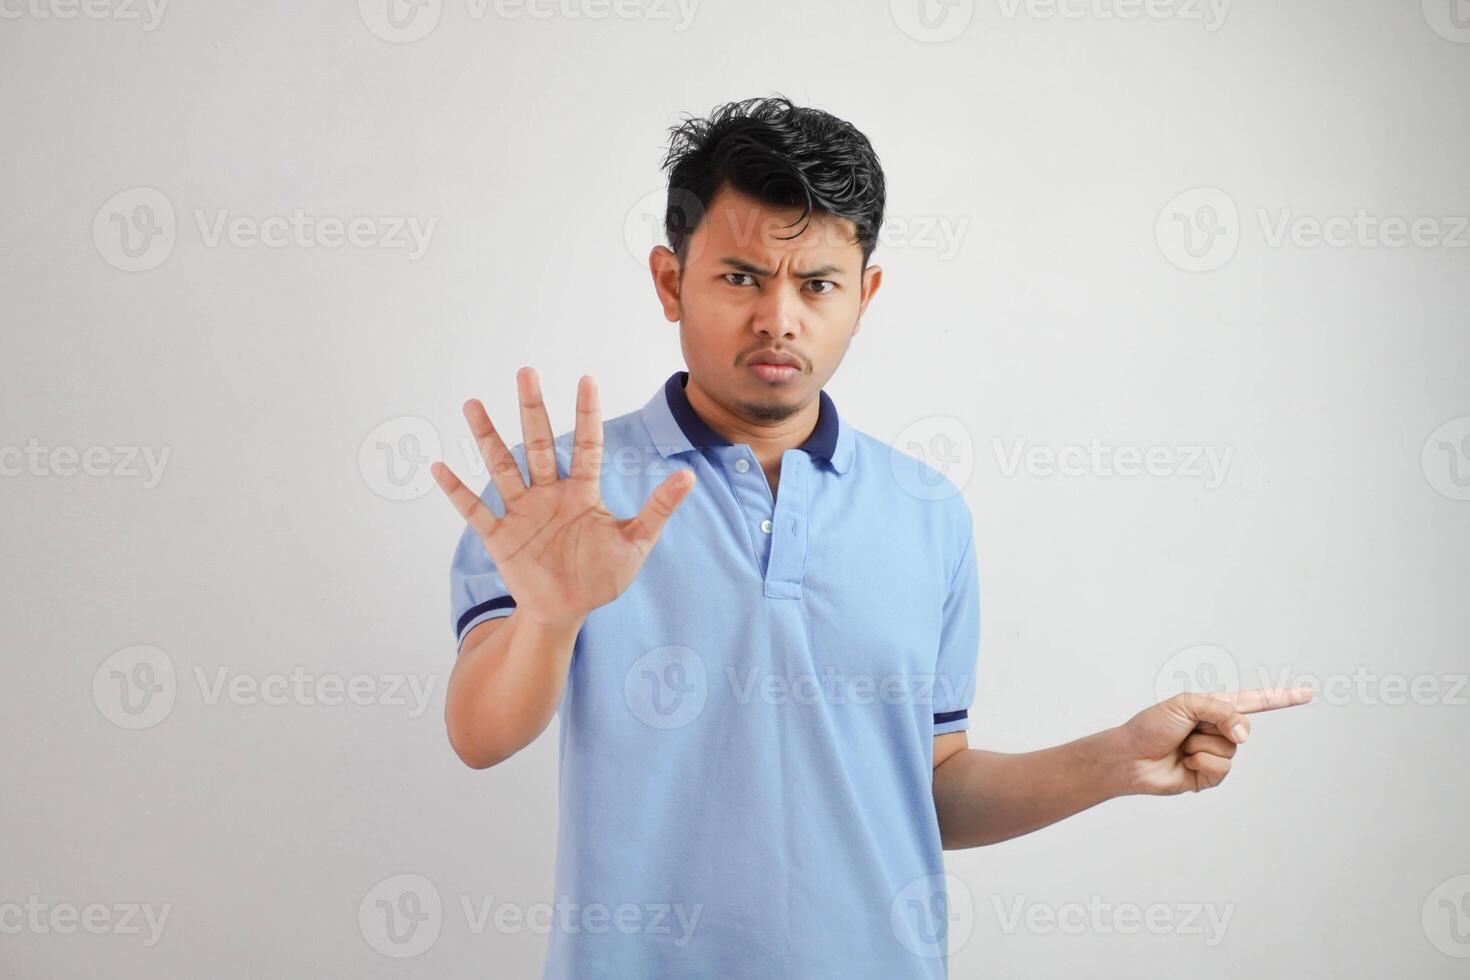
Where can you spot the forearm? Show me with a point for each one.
(985, 797)
(506, 686)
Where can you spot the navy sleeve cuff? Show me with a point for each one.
(489, 605)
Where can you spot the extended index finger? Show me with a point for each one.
(1266, 698)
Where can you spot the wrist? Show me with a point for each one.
(550, 622)
(1115, 767)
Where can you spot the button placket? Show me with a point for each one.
(788, 549)
(753, 495)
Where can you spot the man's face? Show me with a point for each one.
(749, 289)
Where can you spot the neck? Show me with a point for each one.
(768, 439)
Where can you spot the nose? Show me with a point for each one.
(777, 312)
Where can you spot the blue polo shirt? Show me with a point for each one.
(747, 732)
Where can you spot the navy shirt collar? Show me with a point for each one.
(821, 444)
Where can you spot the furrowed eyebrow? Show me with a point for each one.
(743, 266)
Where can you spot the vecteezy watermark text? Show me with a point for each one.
(136, 230)
(1101, 918)
(1199, 230)
(403, 915)
(1209, 13)
(124, 462)
(150, 12)
(406, 21)
(64, 918)
(1097, 458)
(137, 686)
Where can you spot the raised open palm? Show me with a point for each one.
(561, 552)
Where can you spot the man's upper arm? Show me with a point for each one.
(947, 745)
(959, 641)
(480, 631)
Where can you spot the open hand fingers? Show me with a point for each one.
(587, 437)
(536, 433)
(498, 459)
(465, 500)
(644, 529)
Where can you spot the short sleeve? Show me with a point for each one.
(959, 644)
(476, 590)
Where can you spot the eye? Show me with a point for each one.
(729, 274)
(829, 282)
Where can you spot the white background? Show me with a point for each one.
(1053, 148)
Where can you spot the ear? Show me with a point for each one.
(872, 279)
(663, 264)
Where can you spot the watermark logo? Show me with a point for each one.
(1450, 19)
(1208, 464)
(309, 689)
(1209, 13)
(1199, 229)
(1446, 459)
(667, 687)
(406, 21)
(1362, 229)
(400, 21)
(679, 13)
(394, 458)
(299, 229)
(148, 12)
(135, 688)
(838, 688)
(933, 457)
(1210, 669)
(932, 21)
(1201, 669)
(673, 919)
(1365, 687)
(644, 228)
(401, 916)
(942, 234)
(404, 915)
(40, 918)
(933, 915)
(1101, 918)
(120, 462)
(1446, 917)
(135, 230)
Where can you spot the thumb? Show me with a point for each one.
(644, 529)
(1217, 712)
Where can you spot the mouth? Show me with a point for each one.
(774, 367)
(774, 372)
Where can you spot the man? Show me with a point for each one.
(763, 674)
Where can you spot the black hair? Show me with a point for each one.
(779, 153)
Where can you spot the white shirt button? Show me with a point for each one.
(766, 526)
(741, 465)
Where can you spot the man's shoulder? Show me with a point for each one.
(926, 473)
